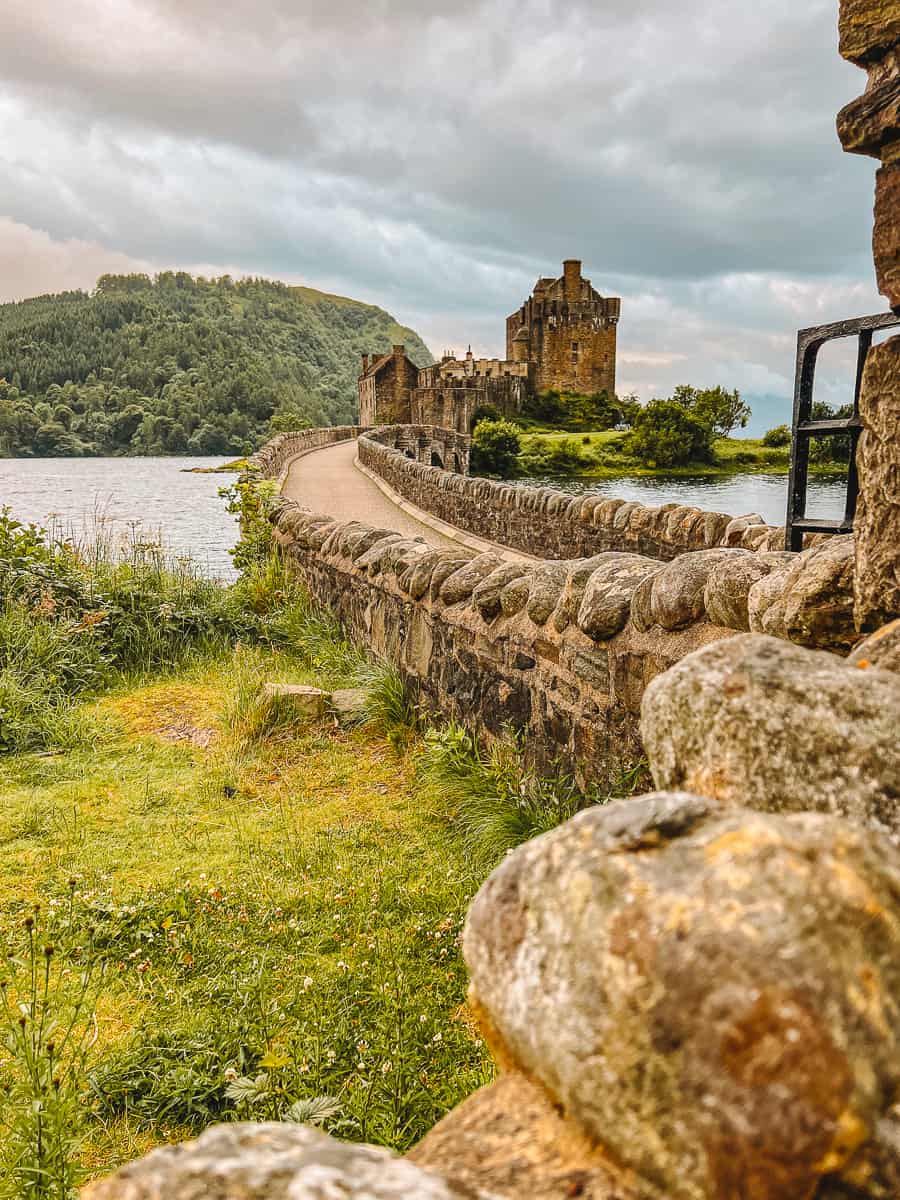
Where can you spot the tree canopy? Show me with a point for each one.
(182, 365)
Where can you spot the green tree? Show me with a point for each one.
(721, 410)
(495, 447)
(666, 434)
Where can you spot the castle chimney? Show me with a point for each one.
(572, 275)
(365, 360)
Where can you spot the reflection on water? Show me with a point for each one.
(145, 496)
(732, 494)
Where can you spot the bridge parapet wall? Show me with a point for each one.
(550, 523)
(276, 456)
(562, 649)
(429, 445)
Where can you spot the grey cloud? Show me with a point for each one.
(435, 157)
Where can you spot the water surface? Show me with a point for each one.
(153, 498)
(732, 494)
(147, 498)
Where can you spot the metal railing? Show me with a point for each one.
(809, 343)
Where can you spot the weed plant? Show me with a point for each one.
(48, 1028)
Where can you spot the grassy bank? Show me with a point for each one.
(601, 455)
(216, 910)
(272, 921)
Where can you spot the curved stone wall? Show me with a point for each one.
(550, 523)
(562, 649)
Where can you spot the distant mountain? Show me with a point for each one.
(178, 365)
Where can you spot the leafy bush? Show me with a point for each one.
(665, 434)
(576, 412)
(484, 412)
(830, 450)
(253, 500)
(495, 446)
(779, 436)
(561, 456)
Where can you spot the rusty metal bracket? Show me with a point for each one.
(809, 343)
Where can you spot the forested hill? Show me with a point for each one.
(178, 365)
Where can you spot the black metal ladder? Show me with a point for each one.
(809, 343)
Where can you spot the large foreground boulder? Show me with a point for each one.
(273, 1162)
(712, 995)
(755, 721)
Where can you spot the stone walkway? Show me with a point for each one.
(326, 481)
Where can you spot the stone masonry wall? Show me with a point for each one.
(550, 523)
(870, 37)
(589, 368)
(561, 649)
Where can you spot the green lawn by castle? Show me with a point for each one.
(282, 911)
(603, 457)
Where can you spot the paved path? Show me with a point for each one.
(327, 482)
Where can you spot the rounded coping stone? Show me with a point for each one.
(717, 954)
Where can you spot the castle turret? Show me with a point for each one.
(572, 280)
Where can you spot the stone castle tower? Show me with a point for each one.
(567, 330)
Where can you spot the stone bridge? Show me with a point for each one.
(527, 608)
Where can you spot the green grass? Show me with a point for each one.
(252, 915)
(602, 457)
(285, 906)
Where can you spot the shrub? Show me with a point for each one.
(253, 500)
(495, 447)
(665, 434)
(779, 436)
(484, 412)
(574, 411)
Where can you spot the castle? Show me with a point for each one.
(563, 338)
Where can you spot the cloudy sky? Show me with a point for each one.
(435, 156)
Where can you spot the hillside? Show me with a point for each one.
(178, 365)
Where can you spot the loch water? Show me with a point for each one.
(732, 494)
(153, 498)
(127, 499)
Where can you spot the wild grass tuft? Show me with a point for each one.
(497, 802)
(388, 708)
